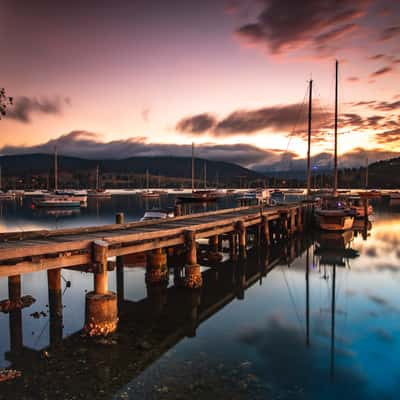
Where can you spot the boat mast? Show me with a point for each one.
(0, 178)
(309, 140)
(55, 169)
(366, 173)
(308, 297)
(205, 174)
(147, 179)
(335, 176)
(192, 167)
(97, 177)
(333, 311)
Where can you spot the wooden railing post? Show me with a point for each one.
(100, 252)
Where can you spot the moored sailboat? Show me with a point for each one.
(198, 196)
(98, 192)
(333, 214)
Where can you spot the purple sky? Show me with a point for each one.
(229, 75)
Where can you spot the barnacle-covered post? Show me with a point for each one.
(193, 277)
(101, 304)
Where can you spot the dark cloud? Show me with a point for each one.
(286, 118)
(24, 107)
(390, 136)
(377, 57)
(390, 33)
(353, 79)
(381, 71)
(387, 106)
(196, 124)
(289, 119)
(384, 335)
(379, 105)
(286, 24)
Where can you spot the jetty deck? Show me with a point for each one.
(25, 252)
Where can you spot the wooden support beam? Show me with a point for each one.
(265, 230)
(15, 316)
(100, 254)
(55, 306)
(292, 221)
(241, 230)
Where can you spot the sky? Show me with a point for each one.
(137, 77)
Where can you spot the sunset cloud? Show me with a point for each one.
(381, 71)
(196, 124)
(25, 107)
(285, 25)
(390, 32)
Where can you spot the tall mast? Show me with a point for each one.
(0, 178)
(192, 166)
(205, 174)
(309, 140)
(366, 173)
(147, 179)
(55, 169)
(333, 311)
(335, 175)
(308, 297)
(97, 177)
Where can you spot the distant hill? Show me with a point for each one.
(381, 174)
(174, 168)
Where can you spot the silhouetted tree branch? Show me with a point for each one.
(5, 101)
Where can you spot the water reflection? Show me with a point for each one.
(311, 318)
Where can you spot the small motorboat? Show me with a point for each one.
(80, 195)
(150, 194)
(99, 193)
(57, 201)
(156, 213)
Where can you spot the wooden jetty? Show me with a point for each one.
(52, 250)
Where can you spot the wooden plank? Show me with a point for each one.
(44, 264)
(146, 246)
(22, 251)
(93, 229)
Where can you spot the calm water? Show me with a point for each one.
(316, 318)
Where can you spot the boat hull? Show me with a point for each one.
(334, 222)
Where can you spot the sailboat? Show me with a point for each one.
(198, 196)
(57, 198)
(98, 192)
(150, 194)
(333, 214)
